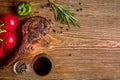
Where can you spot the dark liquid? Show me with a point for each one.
(42, 66)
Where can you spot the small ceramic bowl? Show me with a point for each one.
(19, 67)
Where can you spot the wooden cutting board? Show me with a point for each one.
(90, 52)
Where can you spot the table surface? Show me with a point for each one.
(90, 52)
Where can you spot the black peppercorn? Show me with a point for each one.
(61, 27)
(67, 29)
(81, 9)
(79, 3)
(42, 6)
(61, 32)
(54, 30)
(77, 10)
(69, 54)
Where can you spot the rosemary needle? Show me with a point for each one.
(63, 14)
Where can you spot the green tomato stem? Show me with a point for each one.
(1, 40)
(1, 25)
(2, 31)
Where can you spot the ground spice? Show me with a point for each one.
(50, 20)
(20, 67)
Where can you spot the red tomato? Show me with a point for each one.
(10, 22)
(1, 52)
(9, 40)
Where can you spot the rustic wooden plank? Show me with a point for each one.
(90, 52)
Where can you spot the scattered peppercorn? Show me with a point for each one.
(67, 29)
(77, 10)
(47, 43)
(69, 54)
(61, 27)
(50, 20)
(54, 30)
(61, 32)
(50, 9)
(32, 48)
(20, 67)
(81, 9)
(42, 6)
(79, 3)
(48, 4)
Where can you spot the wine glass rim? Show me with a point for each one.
(46, 56)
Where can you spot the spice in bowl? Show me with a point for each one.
(19, 67)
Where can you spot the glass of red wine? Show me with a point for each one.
(42, 64)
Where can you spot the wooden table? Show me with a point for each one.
(90, 52)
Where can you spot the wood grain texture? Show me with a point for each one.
(90, 52)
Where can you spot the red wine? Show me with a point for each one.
(42, 65)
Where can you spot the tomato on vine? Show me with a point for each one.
(8, 40)
(1, 52)
(9, 22)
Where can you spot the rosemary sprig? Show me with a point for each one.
(63, 14)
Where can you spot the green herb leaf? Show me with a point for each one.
(63, 14)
